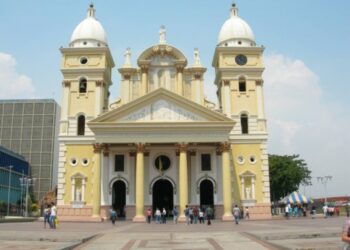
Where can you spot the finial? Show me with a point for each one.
(127, 58)
(91, 11)
(234, 9)
(162, 34)
(197, 59)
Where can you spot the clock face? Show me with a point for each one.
(241, 59)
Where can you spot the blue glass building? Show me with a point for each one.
(10, 185)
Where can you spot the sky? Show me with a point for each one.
(306, 82)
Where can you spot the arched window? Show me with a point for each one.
(244, 123)
(242, 85)
(81, 125)
(82, 85)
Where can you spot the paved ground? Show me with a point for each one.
(273, 234)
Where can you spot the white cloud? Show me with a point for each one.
(301, 121)
(13, 85)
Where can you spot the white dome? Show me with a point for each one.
(89, 33)
(236, 32)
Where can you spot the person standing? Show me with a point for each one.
(325, 211)
(149, 215)
(201, 216)
(246, 216)
(209, 212)
(164, 216)
(236, 212)
(346, 234)
(286, 211)
(157, 214)
(175, 214)
(113, 215)
(187, 215)
(195, 215)
(53, 211)
(47, 215)
(313, 211)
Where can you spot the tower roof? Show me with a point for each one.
(235, 32)
(89, 33)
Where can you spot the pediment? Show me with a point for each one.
(161, 106)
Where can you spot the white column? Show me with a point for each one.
(73, 190)
(98, 97)
(260, 100)
(253, 188)
(83, 189)
(243, 188)
(198, 89)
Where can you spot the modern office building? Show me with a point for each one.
(12, 167)
(162, 143)
(28, 127)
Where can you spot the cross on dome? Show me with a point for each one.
(234, 9)
(91, 11)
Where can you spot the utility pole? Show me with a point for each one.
(26, 181)
(9, 191)
(324, 180)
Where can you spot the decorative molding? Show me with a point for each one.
(140, 147)
(180, 69)
(197, 76)
(100, 83)
(182, 147)
(223, 147)
(127, 76)
(66, 84)
(162, 50)
(105, 148)
(193, 152)
(226, 82)
(97, 148)
(144, 69)
(259, 82)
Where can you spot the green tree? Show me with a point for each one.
(287, 173)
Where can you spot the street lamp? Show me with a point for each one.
(26, 182)
(9, 191)
(324, 180)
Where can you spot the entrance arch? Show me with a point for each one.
(119, 197)
(163, 195)
(206, 193)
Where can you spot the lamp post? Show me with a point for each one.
(324, 180)
(9, 191)
(26, 182)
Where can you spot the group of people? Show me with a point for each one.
(296, 211)
(330, 211)
(193, 215)
(50, 216)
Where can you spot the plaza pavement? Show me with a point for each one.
(303, 233)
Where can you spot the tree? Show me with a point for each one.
(287, 172)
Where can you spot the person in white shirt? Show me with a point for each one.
(53, 216)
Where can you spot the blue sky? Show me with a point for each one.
(306, 56)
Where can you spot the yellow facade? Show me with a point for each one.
(161, 144)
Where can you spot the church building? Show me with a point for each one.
(162, 143)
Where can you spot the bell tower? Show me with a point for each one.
(86, 67)
(238, 63)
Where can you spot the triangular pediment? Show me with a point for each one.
(161, 106)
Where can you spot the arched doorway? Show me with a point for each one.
(206, 193)
(163, 195)
(119, 198)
